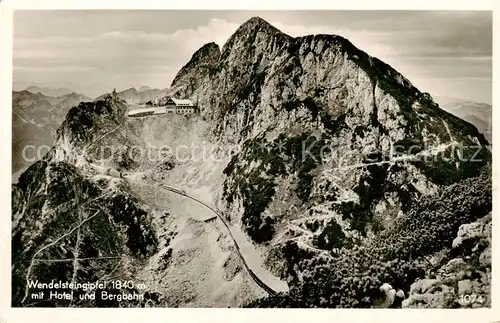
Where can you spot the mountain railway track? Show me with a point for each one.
(252, 275)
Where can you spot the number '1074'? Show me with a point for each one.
(471, 299)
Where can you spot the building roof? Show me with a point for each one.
(138, 111)
(182, 101)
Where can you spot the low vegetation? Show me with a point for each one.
(352, 277)
(48, 208)
(455, 164)
(257, 184)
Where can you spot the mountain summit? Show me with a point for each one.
(263, 69)
(248, 31)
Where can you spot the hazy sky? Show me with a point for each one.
(445, 53)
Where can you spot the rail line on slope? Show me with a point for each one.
(254, 277)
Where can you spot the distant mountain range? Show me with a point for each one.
(38, 111)
(144, 88)
(134, 93)
(54, 92)
(134, 96)
(35, 119)
(479, 114)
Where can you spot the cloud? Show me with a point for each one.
(124, 49)
(117, 51)
(369, 41)
(120, 50)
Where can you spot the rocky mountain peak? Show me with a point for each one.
(253, 34)
(202, 60)
(144, 88)
(199, 66)
(88, 119)
(130, 90)
(268, 88)
(74, 95)
(207, 53)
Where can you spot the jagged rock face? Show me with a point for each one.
(262, 71)
(83, 124)
(274, 95)
(189, 77)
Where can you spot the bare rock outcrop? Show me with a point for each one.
(464, 281)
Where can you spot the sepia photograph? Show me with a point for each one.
(251, 159)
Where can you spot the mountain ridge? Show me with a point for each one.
(134, 96)
(54, 92)
(381, 73)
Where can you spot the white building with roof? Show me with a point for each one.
(180, 106)
(165, 105)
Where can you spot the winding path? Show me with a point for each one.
(48, 246)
